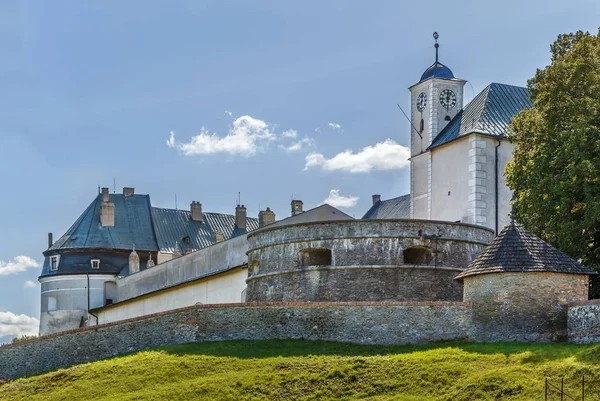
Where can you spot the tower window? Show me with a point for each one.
(51, 303)
(417, 255)
(315, 257)
(422, 127)
(54, 263)
(95, 263)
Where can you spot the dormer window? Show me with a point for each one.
(54, 262)
(95, 263)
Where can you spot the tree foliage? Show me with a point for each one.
(556, 164)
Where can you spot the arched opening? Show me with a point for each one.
(417, 255)
(315, 257)
(110, 292)
(422, 127)
(253, 267)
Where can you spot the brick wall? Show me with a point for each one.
(367, 323)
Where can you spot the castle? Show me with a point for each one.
(124, 259)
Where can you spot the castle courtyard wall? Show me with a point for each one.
(364, 323)
(366, 261)
(584, 322)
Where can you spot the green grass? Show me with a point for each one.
(305, 370)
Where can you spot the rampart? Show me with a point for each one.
(366, 323)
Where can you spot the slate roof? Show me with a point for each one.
(489, 113)
(437, 70)
(173, 225)
(133, 225)
(517, 250)
(395, 208)
(149, 228)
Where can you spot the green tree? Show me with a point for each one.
(556, 164)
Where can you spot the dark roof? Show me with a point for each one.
(395, 208)
(133, 225)
(149, 228)
(437, 70)
(517, 250)
(489, 113)
(173, 225)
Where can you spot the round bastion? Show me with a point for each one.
(362, 260)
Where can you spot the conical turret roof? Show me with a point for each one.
(517, 250)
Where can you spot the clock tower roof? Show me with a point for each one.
(437, 70)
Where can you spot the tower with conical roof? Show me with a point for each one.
(435, 100)
(519, 287)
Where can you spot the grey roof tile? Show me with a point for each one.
(517, 250)
(489, 113)
(395, 208)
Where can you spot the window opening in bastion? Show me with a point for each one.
(315, 257)
(254, 267)
(418, 255)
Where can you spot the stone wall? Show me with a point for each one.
(523, 306)
(584, 322)
(366, 262)
(366, 323)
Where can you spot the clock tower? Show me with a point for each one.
(435, 100)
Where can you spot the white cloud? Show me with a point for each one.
(244, 138)
(29, 284)
(335, 199)
(299, 145)
(17, 265)
(229, 113)
(387, 155)
(18, 325)
(291, 133)
(335, 126)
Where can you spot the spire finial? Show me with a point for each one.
(437, 46)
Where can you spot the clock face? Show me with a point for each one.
(447, 99)
(421, 101)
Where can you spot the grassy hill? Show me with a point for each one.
(304, 370)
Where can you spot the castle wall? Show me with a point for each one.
(584, 322)
(226, 287)
(375, 323)
(366, 262)
(523, 306)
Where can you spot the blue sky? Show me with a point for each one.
(271, 99)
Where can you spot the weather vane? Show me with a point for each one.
(436, 36)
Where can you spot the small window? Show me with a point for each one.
(417, 256)
(315, 257)
(422, 125)
(95, 263)
(51, 303)
(54, 263)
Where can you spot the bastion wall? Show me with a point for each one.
(362, 260)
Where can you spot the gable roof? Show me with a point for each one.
(517, 250)
(489, 113)
(172, 226)
(395, 208)
(149, 228)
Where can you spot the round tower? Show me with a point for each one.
(519, 286)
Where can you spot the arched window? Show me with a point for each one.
(417, 255)
(253, 267)
(315, 257)
(422, 125)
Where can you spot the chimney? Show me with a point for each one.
(376, 198)
(240, 216)
(297, 207)
(105, 195)
(50, 242)
(265, 217)
(218, 237)
(134, 262)
(128, 191)
(196, 208)
(107, 214)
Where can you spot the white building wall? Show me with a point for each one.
(70, 293)
(450, 190)
(225, 287)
